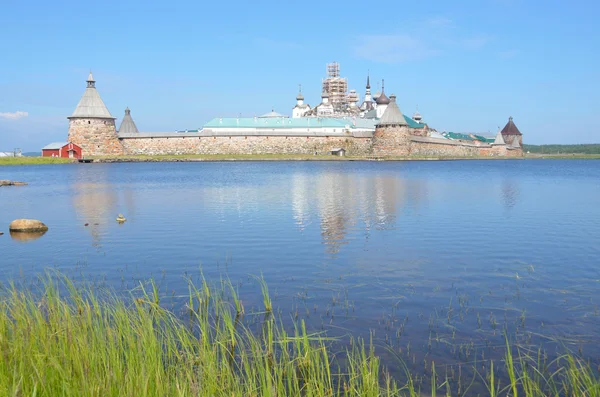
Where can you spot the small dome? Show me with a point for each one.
(382, 99)
(417, 116)
(299, 97)
(324, 94)
(377, 95)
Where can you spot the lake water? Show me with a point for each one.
(436, 260)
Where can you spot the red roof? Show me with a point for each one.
(510, 128)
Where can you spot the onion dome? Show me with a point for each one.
(382, 99)
(300, 97)
(417, 117)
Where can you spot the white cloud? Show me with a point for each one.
(13, 116)
(433, 37)
(392, 48)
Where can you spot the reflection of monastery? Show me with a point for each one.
(375, 127)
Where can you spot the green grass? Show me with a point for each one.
(82, 341)
(32, 160)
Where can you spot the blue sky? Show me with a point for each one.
(468, 65)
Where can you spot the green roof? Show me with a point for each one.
(413, 124)
(301, 122)
(468, 137)
(277, 122)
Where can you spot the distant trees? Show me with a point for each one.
(592, 148)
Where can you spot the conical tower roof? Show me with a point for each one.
(91, 105)
(510, 128)
(392, 115)
(128, 125)
(499, 139)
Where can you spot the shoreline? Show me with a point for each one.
(8, 161)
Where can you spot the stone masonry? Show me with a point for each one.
(95, 136)
(391, 141)
(243, 145)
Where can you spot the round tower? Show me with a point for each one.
(392, 135)
(92, 127)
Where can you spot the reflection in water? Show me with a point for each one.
(94, 201)
(510, 193)
(26, 236)
(344, 201)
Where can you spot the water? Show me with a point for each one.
(435, 260)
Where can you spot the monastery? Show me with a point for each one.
(338, 124)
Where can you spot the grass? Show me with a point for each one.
(32, 160)
(64, 339)
(270, 157)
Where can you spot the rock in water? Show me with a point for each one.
(26, 236)
(5, 182)
(27, 225)
(121, 218)
(1, 233)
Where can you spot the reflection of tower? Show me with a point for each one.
(94, 201)
(335, 206)
(300, 199)
(510, 193)
(386, 195)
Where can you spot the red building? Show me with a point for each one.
(62, 149)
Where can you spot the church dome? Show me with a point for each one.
(417, 116)
(299, 97)
(382, 99)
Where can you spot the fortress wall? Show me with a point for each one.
(244, 145)
(430, 149)
(96, 137)
(442, 150)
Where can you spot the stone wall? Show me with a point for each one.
(391, 141)
(96, 137)
(244, 145)
(430, 149)
(427, 149)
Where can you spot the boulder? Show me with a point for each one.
(27, 225)
(6, 182)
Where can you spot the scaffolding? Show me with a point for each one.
(336, 87)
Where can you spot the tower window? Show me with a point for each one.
(89, 122)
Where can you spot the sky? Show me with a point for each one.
(467, 65)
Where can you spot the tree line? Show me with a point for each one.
(591, 148)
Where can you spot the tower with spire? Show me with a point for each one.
(368, 102)
(91, 126)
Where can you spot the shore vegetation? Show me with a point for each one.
(62, 338)
(24, 160)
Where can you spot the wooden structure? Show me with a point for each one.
(62, 149)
